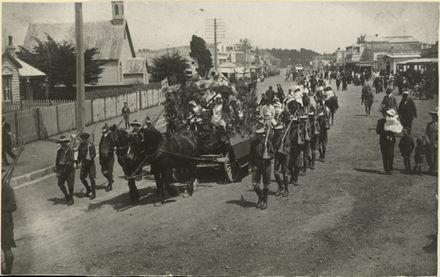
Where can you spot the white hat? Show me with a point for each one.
(260, 131)
(391, 112)
(406, 92)
(303, 117)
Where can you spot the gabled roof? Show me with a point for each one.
(103, 35)
(24, 69)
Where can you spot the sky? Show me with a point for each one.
(319, 26)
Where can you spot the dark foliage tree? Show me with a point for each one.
(171, 67)
(293, 56)
(58, 61)
(201, 54)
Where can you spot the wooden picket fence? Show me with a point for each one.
(48, 118)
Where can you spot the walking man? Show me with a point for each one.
(126, 115)
(65, 169)
(86, 156)
(8, 207)
(106, 155)
(407, 111)
(7, 142)
(432, 143)
(367, 98)
(386, 141)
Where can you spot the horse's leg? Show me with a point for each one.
(133, 191)
(192, 175)
(160, 184)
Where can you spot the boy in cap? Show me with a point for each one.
(106, 155)
(86, 156)
(406, 146)
(261, 164)
(126, 115)
(431, 132)
(65, 169)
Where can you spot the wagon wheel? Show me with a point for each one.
(231, 168)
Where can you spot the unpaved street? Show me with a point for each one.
(343, 219)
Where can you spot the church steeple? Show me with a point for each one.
(118, 12)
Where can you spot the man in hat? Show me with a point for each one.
(261, 155)
(389, 101)
(387, 140)
(6, 142)
(281, 143)
(367, 98)
(315, 130)
(8, 242)
(65, 169)
(431, 133)
(86, 156)
(106, 155)
(296, 159)
(407, 111)
(126, 115)
(306, 135)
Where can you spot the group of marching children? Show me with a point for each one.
(291, 132)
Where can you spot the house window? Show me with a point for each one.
(7, 88)
(116, 10)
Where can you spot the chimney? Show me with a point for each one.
(10, 48)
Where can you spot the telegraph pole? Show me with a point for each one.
(214, 28)
(80, 92)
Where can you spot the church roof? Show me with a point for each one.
(103, 35)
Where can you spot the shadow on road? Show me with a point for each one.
(432, 247)
(122, 202)
(242, 203)
(57, 201)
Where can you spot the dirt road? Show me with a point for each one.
(343, 219)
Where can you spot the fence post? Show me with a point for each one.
(58, 119)
(91, 110)
(116, 106)
(38, 123)
(16, 128)
(105, 110)
(140, 100)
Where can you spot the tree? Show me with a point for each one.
(201, 54)
(58, 61)
(171, 67)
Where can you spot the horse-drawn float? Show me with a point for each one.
(208, 124)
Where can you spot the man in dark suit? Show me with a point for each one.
(6, 142)
(86, 155)
(386, 141)
(106, 155)
(407, 111)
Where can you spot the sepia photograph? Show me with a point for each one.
(219, 138)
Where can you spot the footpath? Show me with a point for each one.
(38, 158)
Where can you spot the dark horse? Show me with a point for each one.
(176, 152)
(332, 104)
(163, 155)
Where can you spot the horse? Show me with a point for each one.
(121, 144)
(332, 104)
(164, 155)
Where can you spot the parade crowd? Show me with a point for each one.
(292, 134)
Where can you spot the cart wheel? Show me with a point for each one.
(231, 168)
